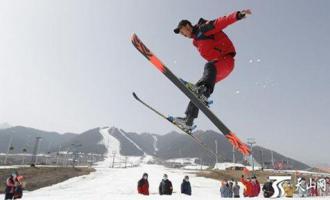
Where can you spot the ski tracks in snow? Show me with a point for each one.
(131, 141)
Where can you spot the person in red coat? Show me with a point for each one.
(248, 190)
(143, 185)
(255, 187)
(216, 48)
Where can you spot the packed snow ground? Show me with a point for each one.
(121, 183)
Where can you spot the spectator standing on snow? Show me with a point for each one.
(185, 186)
(255, 187)
(10, 186)
(231, 188)
(19, 186)
(143, 185)
(236, 189)
(268, 189)
(225, 189)
(165, 186)
(248, 186)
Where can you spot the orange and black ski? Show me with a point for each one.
(232, 138)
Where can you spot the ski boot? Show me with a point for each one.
(198, 91)
(186, 124)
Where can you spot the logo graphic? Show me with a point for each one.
(278, 185)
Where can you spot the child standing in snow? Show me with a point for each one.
(185, 186)
(143, 185)
(165, 186)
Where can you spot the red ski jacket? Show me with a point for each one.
(211, 42)
(255, 189)
(143, 187)
(248, 190)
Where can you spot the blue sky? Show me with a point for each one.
(69, 66)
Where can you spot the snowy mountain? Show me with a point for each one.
(4, 125)
(169, 146)
(176, 145)
(24, 138)
(87, 142)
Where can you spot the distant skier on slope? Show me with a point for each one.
(215, 46)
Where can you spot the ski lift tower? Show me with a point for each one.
(251, 142)
(35, 151)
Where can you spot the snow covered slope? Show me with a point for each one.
(111, 143)
(113, 156)
(118, 184)
(155, 144)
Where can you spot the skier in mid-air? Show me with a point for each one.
(214, 46)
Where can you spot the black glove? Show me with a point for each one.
(240, 15)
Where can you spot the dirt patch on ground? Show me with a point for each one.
(36, 177)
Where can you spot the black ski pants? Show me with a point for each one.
(208, 80)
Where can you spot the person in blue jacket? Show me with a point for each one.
(185, 186)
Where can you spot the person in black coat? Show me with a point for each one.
(268, 189)
(185, 186)
(165, 186)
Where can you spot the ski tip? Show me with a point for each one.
(135, 96)
(133, 36)
(238, 144)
